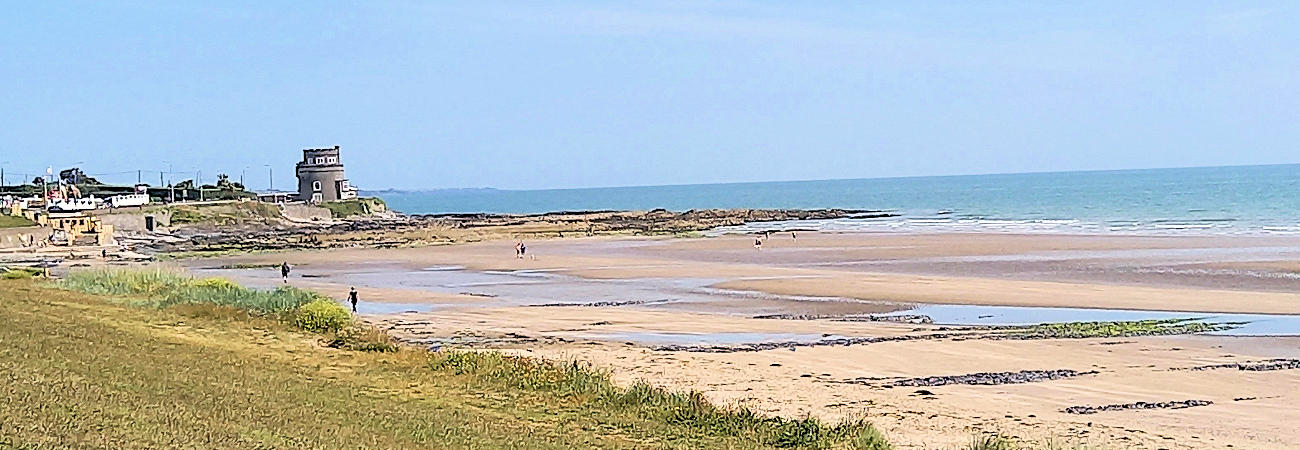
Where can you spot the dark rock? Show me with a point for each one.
(602, 304)
(1261, 366)
(982, 378)
(1137, 405)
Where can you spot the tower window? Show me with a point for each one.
(315, 185)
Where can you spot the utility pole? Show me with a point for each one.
(171, 189)
(198, 176)
(45, 188)
(138, 176)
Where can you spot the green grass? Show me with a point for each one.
(355, 207)
(1079, 330)
(213, 372)
(992, 442)
(8, 221)
(224, 214)
(19, 273)
(162, 288)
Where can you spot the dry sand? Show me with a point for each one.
(1212, 274)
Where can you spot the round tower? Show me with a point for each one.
(320, 176)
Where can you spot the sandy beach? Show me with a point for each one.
(649, 308)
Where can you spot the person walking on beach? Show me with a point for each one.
(352, 297)
(284, 271)
(519, 250)
(758, 243)
(793, 237)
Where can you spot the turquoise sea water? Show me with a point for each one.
(1207, 200)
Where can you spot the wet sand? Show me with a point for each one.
(653, 291)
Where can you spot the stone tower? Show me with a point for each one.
(320, 177)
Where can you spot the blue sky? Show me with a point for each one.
(572, 94)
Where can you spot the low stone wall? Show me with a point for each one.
(305, 213)
(133, 223)
(9, 237)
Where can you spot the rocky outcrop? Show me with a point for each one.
(418, 230)
(1260, 366)
(982, 378)
(1137, 405)
(657, 221)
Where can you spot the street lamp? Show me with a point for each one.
(270, 176)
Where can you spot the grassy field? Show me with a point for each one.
(225, 214)
(355, 207)
(160, 361)
(8, 221)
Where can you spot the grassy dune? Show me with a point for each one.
(159, 361)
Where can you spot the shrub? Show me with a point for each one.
(216, 283)
(322, 315)
(992, 442)
(363, 339)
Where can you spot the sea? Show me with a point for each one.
(1242, 200)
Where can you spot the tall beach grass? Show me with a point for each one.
(163, 288)
(687, 409)
(570, 383)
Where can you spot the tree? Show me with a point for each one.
(76, 176)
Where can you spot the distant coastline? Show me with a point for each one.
(1202, 200)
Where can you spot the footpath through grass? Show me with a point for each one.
(156, 360)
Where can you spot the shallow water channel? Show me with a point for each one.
(542, 288)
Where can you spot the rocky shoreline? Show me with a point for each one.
(394, 230)
(658, 221)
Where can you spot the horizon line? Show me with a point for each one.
(808, 180)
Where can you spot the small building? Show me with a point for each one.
(320, 177)
(276, 197)
(68, 227)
